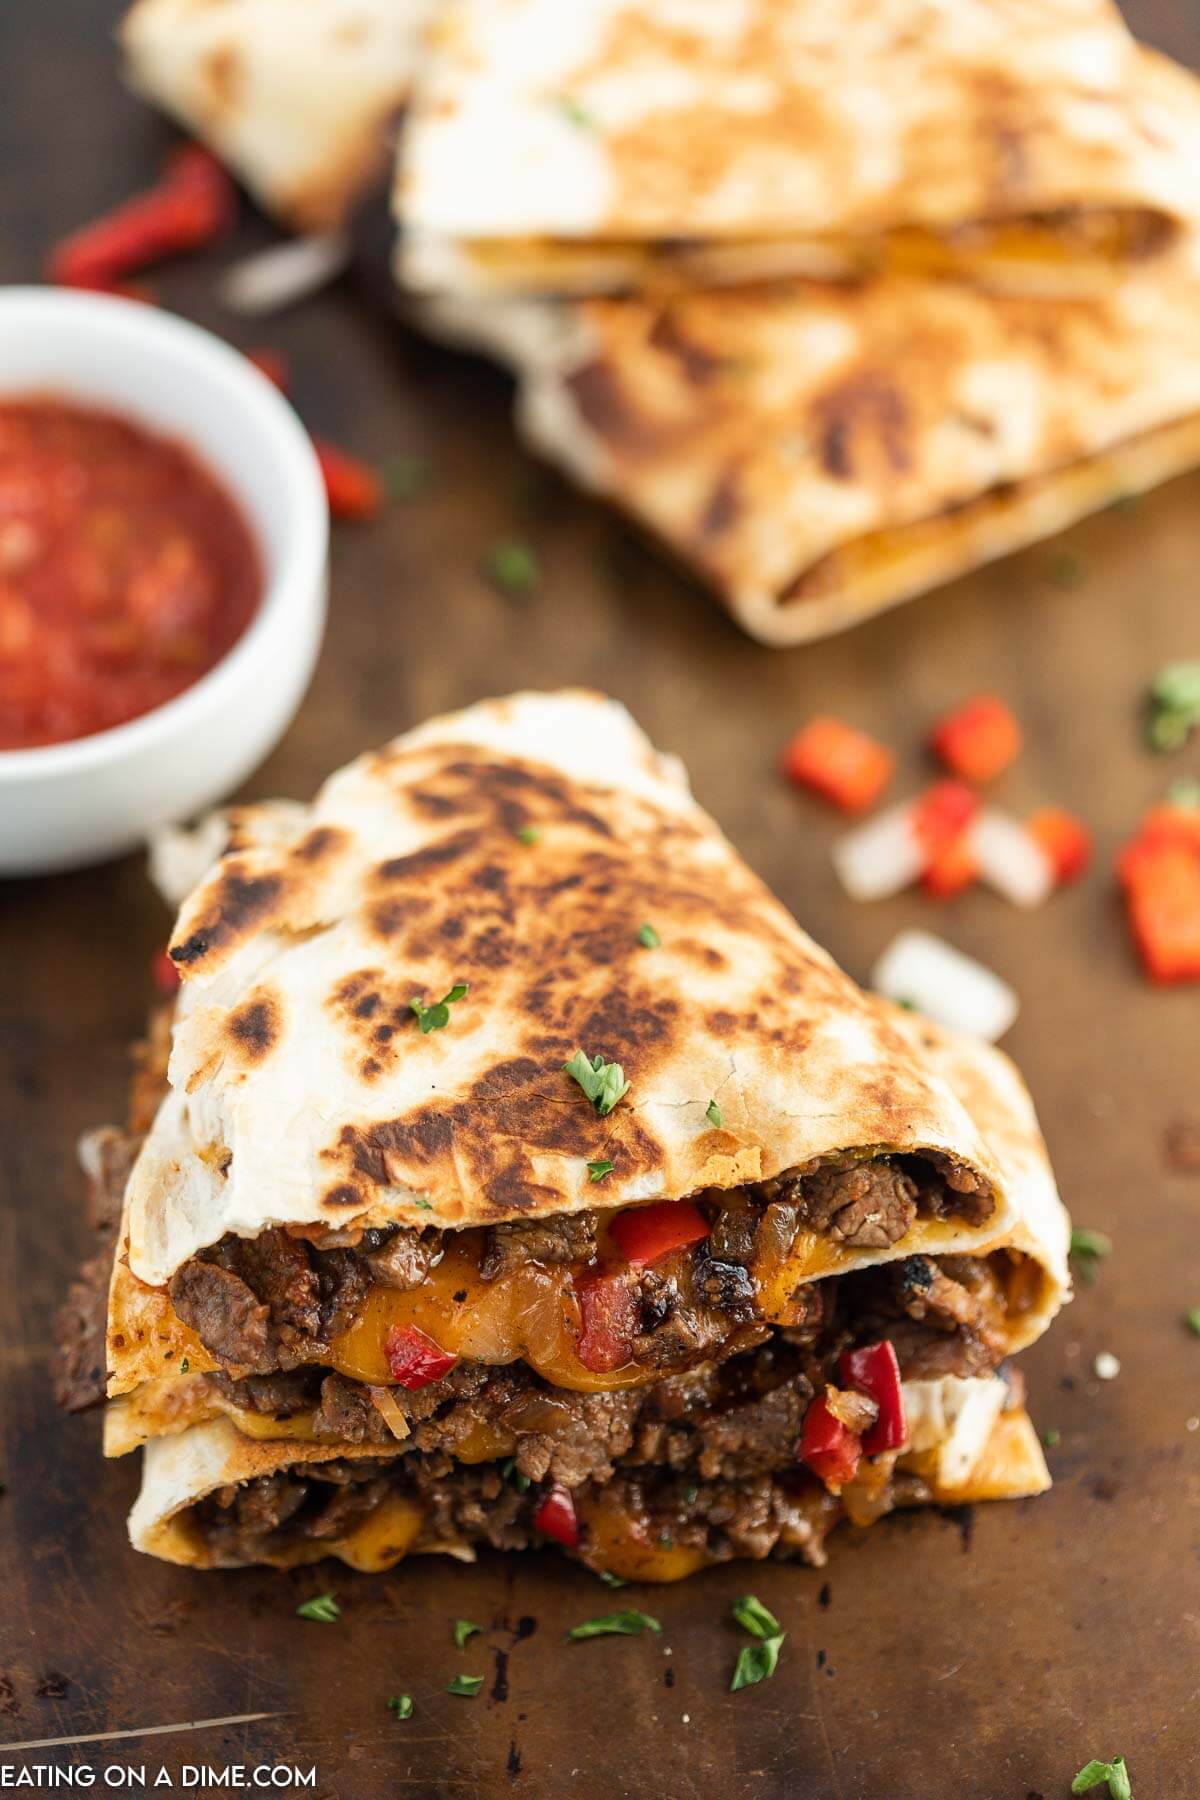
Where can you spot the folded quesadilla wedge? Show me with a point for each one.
(399, 1204)
(299, 99)
(1028, 145)
(818, 452)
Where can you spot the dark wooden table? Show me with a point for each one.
(939, 1656)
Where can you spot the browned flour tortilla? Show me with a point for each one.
(817, 452)
(323, 1173)
(1031, 145)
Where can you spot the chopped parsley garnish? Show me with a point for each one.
(600, 1168)
(611, 1580)
(648, 938)
(510, 1472)
(465, 1686)
(603, 1083)
(464, 1629)
(406, 476)
(572, 110)
(184, 1366)
(619, 1624)
(713, 1115)
(756, 1662)
(753, 1617)
(401, 1705)
(1066, 569)
(1052, 1437)
(1089, 1248)
(1174, 706)
(529, 834)
(423, 1205)
(436, 1017)
(322, 1607)
(1191, 1319)
(1114, 1773)
(513, 567)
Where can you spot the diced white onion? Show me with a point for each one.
(271, 279)
(953, 1415)
(880, 858)
(386, 1404)
(922, 971)
(1010, 859)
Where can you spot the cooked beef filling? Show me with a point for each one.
(81, 1324)
(276, 1301)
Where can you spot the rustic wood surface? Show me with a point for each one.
(985, 1655)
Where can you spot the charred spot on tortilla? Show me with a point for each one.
(344, 1195)
(240, 904)
(255, 1027)
(699, 364)
(319, 843)
(861, 421)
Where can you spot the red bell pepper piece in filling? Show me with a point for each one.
(873, 1370)
(188, 207)
(978, 740)
(831, 1450)
(608, 1315)
(414, 1359)
(555, 1517)
(644, 1233)
(844, 765)
(165, 973)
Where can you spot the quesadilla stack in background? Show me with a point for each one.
(875, 295)
(299, 97)
(524, 1173)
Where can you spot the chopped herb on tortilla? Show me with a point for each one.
(1089, 1249)
(322, 1607)
(756, 1662)
(423, 1205)
(1052, 1437)
(464, 1629)
(603, 1082)
(713, 1114)
(436, 1017)
(600, 1168)
(571, 109)
(1174, 706)
(513, 567)
(619, 1624)
(529, 834)
(184, 1366)
(753, 1617)
(648, 937)
(1114, 1773)
(401, 1705)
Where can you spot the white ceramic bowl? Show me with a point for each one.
(79, 802)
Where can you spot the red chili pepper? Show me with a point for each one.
(352, 487)
(873, 1370)
(1162, 884)
(978, 740)
(830, 1449)
(941, 814)
(1065, 839)
(165, 973)
(645, 1233)
(843, 764)
(952, 869)
(608, 1313)
(191, 204)
(273, 364)
(555, 1517)
(414, 1359)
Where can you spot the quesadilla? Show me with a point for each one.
(818, 452)
(1028, 145)
(525, 1171)
(299, 97)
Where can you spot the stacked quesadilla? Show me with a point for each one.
(838, 303)
(299, 97)
(524, 1173)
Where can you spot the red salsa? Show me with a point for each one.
(126, 572)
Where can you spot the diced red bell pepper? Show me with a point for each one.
(941, 815)
(978, 740)
(1065, 839)
(952, 869)
(555, 1517)
(273, 364)
(1167, 823)
(835, 760)
(608, 1315)
(644, 1233)
(414, 1359)
(165, 973)
(873, 1370)
(1162, 884)
(830, 1449)
(353, 489)
(192, 203)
